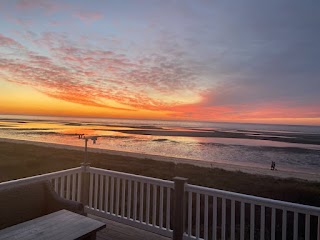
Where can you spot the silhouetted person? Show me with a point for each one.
(273, 165)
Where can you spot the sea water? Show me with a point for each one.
(285, 143)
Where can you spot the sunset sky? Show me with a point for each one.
(207, 60)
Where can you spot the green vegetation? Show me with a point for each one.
(22, 160)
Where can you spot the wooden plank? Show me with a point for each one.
(120, 231)
(58, 225)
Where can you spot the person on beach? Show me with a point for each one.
(273, 165)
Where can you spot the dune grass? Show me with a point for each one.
(23, 160)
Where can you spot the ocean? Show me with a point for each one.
(292, 147)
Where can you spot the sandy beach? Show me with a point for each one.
(279, 173)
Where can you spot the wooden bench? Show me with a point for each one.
(24, 202)
(59, 225)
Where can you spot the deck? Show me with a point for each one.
(118, 231)
(156, 206)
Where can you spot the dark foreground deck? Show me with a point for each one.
(118, 231)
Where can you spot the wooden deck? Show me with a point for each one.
(118, 231)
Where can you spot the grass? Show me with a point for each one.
(23, 160)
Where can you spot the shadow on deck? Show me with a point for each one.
(119, 231)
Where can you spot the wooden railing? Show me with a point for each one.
(139, 201)
(216, 214)
(67, 183)
(180, 210)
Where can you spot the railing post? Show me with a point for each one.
(85, 183)
(179, 208)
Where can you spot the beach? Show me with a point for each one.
(206, 164)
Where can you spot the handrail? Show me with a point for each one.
(254, 200)
(157, 181)
(40, 177)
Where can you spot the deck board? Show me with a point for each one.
(58, 225)
(119, 231)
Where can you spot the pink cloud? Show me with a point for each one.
(88, 17)
(8, 42)
(48, 6)
(94, 75)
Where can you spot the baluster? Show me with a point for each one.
(242, 221)
(112, 196)
(318, 238)
(223, 224)
(205, 217)
(79, 188)
(91, 190)
(62, 187)
(189, 214)
(168, 208)
(154, 207)
(273, 224)
(101, 194)
(295, 226)
(284, 224)
(117, 195)
(198, 216)
(123, 197)
(56, 187)
(307, 227)
(233, 220)
(73, 190)
(96, 183)
(214, 220)
(135, 196)
(148, 204)
(262, 222)
(141, 200)
(161, 208)
(106, 194)
(252, 212)
(129, 200)
(68, 187)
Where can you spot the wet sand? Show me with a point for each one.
(256, 135)
(229, 167)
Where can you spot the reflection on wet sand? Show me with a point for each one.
(295, 150)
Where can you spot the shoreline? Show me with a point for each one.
(284, 174)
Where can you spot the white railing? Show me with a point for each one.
(67, 183)
(147, 203)
(216, 214)
(139, 201)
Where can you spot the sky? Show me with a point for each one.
(200, 60)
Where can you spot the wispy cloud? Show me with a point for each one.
(91, 77)
(47, 6)
(88, 17)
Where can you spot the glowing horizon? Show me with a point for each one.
(179, 60)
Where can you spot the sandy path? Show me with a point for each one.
(229, 167)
